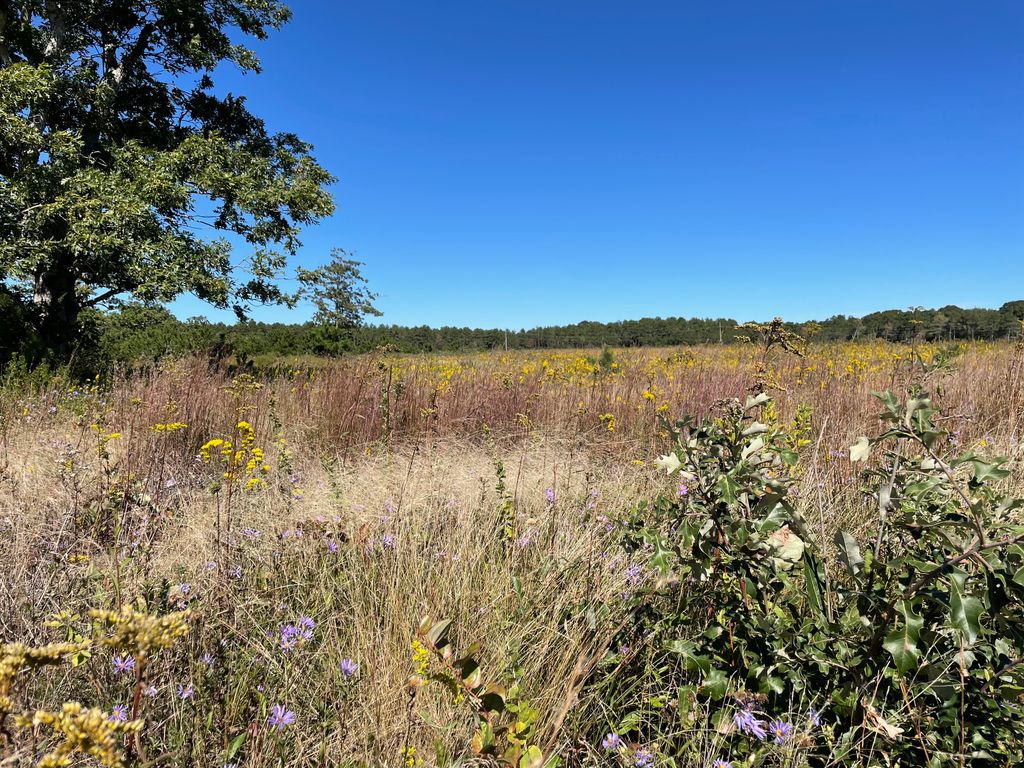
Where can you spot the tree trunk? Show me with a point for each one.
(58, 304)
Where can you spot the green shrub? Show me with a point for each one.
(901, 650)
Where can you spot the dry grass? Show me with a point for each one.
(392, 459)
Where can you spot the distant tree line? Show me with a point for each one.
(138, 333)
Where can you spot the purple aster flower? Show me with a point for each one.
(118, 714)
(549, 494)
(280, 717)
(643, 758)
(683, 489)
(123, 664)
(747, 722)
(185, 691)
(388, 541)
(289, 637)
(780, 731)
(332, 547)
(612, 741)
(349, 668)
(306, 627)
(236, 572)
(150, 691)
(634, 574)
(814, 717)
(185, 589)
(208, 659)
(721, 764)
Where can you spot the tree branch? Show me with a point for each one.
(134, 55)
(101, 298)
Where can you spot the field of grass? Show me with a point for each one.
(307, 519)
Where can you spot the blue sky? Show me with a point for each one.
(513, 164)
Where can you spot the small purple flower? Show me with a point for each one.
(549, 494)
(388, 541)
(119, 714)
(634, 574)
(251, 533)
(280, 717)
(780, 731)
(208, 659)
(349, 668)
(721, 764)
(625, 650)
(211, 566)
(150, 691)
(184, 589)
(684, 489)
(814, 717)
(236, 572)
(123, 664)
(332, 547)
(747, 722)
(612, 741)
(643, 758)
(289, 637)
(306, 627)
(185, 691)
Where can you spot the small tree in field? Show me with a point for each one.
(339, 293)
(122, 170)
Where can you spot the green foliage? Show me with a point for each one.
(506, 722)
(341, 330)
(913, 641)
(115, 149)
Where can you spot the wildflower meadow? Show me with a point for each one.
(698, 557)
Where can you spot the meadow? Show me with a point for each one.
(207, 566)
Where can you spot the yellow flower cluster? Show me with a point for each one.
(420, 657)
(172, 426)
(15, 657)
(140, 632)
(244, 459)
(84, 731)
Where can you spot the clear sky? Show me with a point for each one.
(520, 163)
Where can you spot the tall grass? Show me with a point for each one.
(381, 503)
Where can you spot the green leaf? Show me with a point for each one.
(715, 684)
(728, 487)
(437, 634)
(964, 610)
(902, 643)
(533, 758)
(663, 556)
(235, 745)
(989, 470)
(849, 553)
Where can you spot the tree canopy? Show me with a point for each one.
(123, 173)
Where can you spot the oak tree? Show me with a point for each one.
(125, 173)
